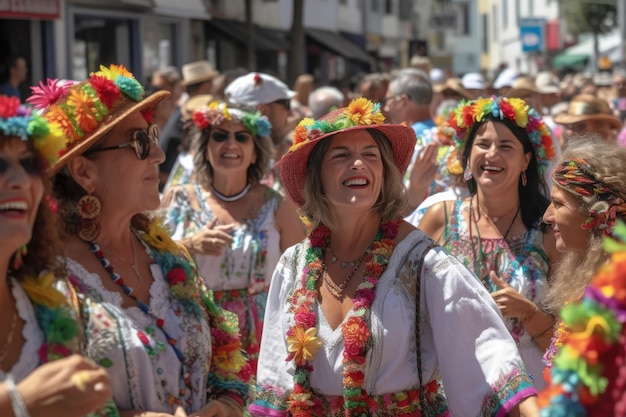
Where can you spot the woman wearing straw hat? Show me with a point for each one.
(39, 331)
(149, 319)
(587, 113)
(367, 313)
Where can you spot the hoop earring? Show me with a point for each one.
(18, 258)
(524, 179)
(88, 208)
(467, 174)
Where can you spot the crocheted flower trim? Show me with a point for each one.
(303, 342)
(360, 112)
(216, 113)
(78, 109)
(576, 177)
(587, 374)
(20, 121)
(468, 113)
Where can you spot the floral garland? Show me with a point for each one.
(468, 113)
(78, 109)
(20, 121)
(58, 325)
(180, 272)
(216, 113)
(587, 378)
(303, 343)
(360, 112)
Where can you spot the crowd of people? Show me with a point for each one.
(218, 244)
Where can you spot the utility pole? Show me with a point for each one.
(621, 20)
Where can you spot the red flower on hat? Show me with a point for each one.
(200, 119)
(8, 106)
(107, 91)
(257, 80)
(148, 114)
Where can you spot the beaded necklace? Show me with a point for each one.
(302, 341)
(185, 380)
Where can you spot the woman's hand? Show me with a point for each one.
(511, 303)
(211, 240)
(140, 413)
(69, 387)
(219, 408)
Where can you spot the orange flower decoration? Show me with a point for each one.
(58, 116)
(84, 110)
(304, 345)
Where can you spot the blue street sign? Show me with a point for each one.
(532, 34)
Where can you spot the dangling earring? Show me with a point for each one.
(88, 209)
(467, 174)
(524, 179)
(18, 258)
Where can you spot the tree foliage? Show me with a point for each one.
(595, 16)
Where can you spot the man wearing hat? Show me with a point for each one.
(587, 113)
(198, 80)
(266, 94)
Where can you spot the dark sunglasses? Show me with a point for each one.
(141, 142)
(28, 163)
(222, 135)
(286, 103)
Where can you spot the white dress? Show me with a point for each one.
(463, 339)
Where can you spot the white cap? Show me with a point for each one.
(473, 81)
(437, 76)
(256, 88)
(505, 78)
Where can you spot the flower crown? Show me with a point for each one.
(465, 116)
(360, 112)
(20, 121)
(78, 109)
(575, 176)
(216, 113)
(587, 376)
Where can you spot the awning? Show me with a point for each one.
(338, 44)
(562, 61)
(191, 9)
(264, 39)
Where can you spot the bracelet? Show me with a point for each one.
(528, 317)
(17, 402)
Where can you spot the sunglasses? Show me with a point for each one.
(222, 135)
(286, 103)
(141, 142)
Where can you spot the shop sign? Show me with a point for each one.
(444, 21)
(532, 34)
(30, 9)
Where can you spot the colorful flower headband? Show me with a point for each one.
(587, 378)
(78, 109)
(576, 177)
(360, 112)
(465, 116)
(20, 121)
(216, 113)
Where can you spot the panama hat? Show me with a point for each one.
(87, 110)
(522, 87)
(197, 72)
(454, 85)
(587, 107)
(360, 114)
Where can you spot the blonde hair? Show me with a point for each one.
(608, 164)
(391, 201)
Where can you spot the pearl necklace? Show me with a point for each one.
(231, 198)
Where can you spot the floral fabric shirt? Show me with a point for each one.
(477, 361)
(241, 275)
(521, 261)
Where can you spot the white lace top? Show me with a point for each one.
(32, 334)
(135, 353)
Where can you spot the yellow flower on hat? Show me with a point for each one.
(52, 144)
(360, 111)
(304, 344)
(114, 71)
(521, 111)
